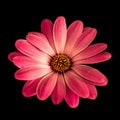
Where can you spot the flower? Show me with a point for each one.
(53, 62)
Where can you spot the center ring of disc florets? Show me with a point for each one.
(60, 63)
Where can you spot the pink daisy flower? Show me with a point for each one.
(53, 62)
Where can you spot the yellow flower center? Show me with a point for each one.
(60, 63)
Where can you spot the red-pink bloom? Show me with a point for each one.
(53, 62)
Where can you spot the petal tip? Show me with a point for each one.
(61, 17)
(45, 23)
(110, 55)
(94, 30)
(105, 82)
(16, 75)
(10, 58)
(19, 42)
(93, 97)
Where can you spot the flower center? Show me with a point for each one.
(60, 63)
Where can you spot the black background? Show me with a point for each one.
(19, 18)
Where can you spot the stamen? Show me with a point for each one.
(60, 63)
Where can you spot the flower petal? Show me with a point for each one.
(47, 29)
(73, 33)
(46, 86)
(23, 61)
(93, 92)
(59, 34)
(90, 51)
(29, 88)
(90, 73)
(40, 42)
(14, 54)
(29, 50)
(59, 91)
(71, 98)
(32, 72)
(95, 83)
(77, 85)
(35, 33)
(83, 42)
(104, 56)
